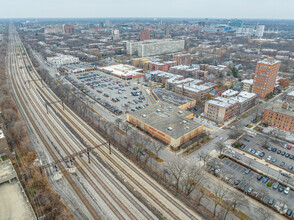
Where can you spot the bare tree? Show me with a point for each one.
(156, 147)
(177, 168)
(220, 147)
(127, 127)
(117, 122)
(235, 201)
(204, 156)
(194, 176)
(220, 192)
(265, 214)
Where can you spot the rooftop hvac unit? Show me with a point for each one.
(169, 128)
(144, 116)
(157, 110)
(180, 112)
(184, 122)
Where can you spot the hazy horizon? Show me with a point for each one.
(215, 9)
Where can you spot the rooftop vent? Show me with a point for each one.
(187, 128)
(144, 116)
(180, 112)
(157, 110)
(169, 128)
(184, 122)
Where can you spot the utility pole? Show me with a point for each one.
(89, 157)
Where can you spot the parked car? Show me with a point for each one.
(237, 182)
(247, 171)
(262, 154)
(283, 153)
(289, 212)
(290, 167)
(259, 177)
(289, 147)
(250, 190)
(276, 185)
(271, 201)
(281, 189)
(287, 190)
(265, 180)
(282, 164)
(287, 155)
(269, 158)
(279, 152)
(274, 160)
(269, 148)
(291, 157)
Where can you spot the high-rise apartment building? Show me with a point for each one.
(69, 29)
(266, 73)
(144, 35)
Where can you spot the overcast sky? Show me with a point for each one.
(270, 9)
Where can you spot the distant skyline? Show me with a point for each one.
(254, 9)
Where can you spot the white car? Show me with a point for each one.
(287, 190)
(269, 158)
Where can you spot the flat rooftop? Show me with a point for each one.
(123, 70)
(171, 97)
(277, 107)
(247, 81)
(291, 93)
(79, 66)
(167, 119)
(269, 61)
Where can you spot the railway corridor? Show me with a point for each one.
(111, 198)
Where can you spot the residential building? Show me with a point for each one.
(220, 109)
(183, 59)
(144, 35)
(229, 93)
(290, 97)
(246, 85)
(279, 115)
(284, 82)
(166, 123)
(69, 29)
(154, 47)
(265, 76)
(162, 66)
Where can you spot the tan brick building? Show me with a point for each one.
(265, 76)
(279, 115)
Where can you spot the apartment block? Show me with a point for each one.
(265, 76)
(144, 35)
(162, 66)
(183, 59)
(246, 85)
(290, 97)
(154, 47)
(279, 115)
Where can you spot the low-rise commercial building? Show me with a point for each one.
(166, 123)
(123, 71)
(78, 68)
(279, 115)
(195, 90)
(62, 60)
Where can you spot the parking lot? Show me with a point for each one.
(115, 94)
(256, 185)
(279, 154)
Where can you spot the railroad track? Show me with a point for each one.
(99, 138)
(76, 189)
(105, 187)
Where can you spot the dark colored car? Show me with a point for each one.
(276, 185)
(291, 157)
(283, 153)
(271, 201)
(287, 155)
(281, 189)
(262, 154)
(259, 177)
(237, 182)
(290, 167)
(289, 212)
(274, 149)
(279, 152)
(282, 164)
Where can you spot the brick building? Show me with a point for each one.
(165, 66)
(69, 29)
(284, 82)
(279, 115)
(183, 59)
(144, 35)
(290, 97)
(265, 76)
